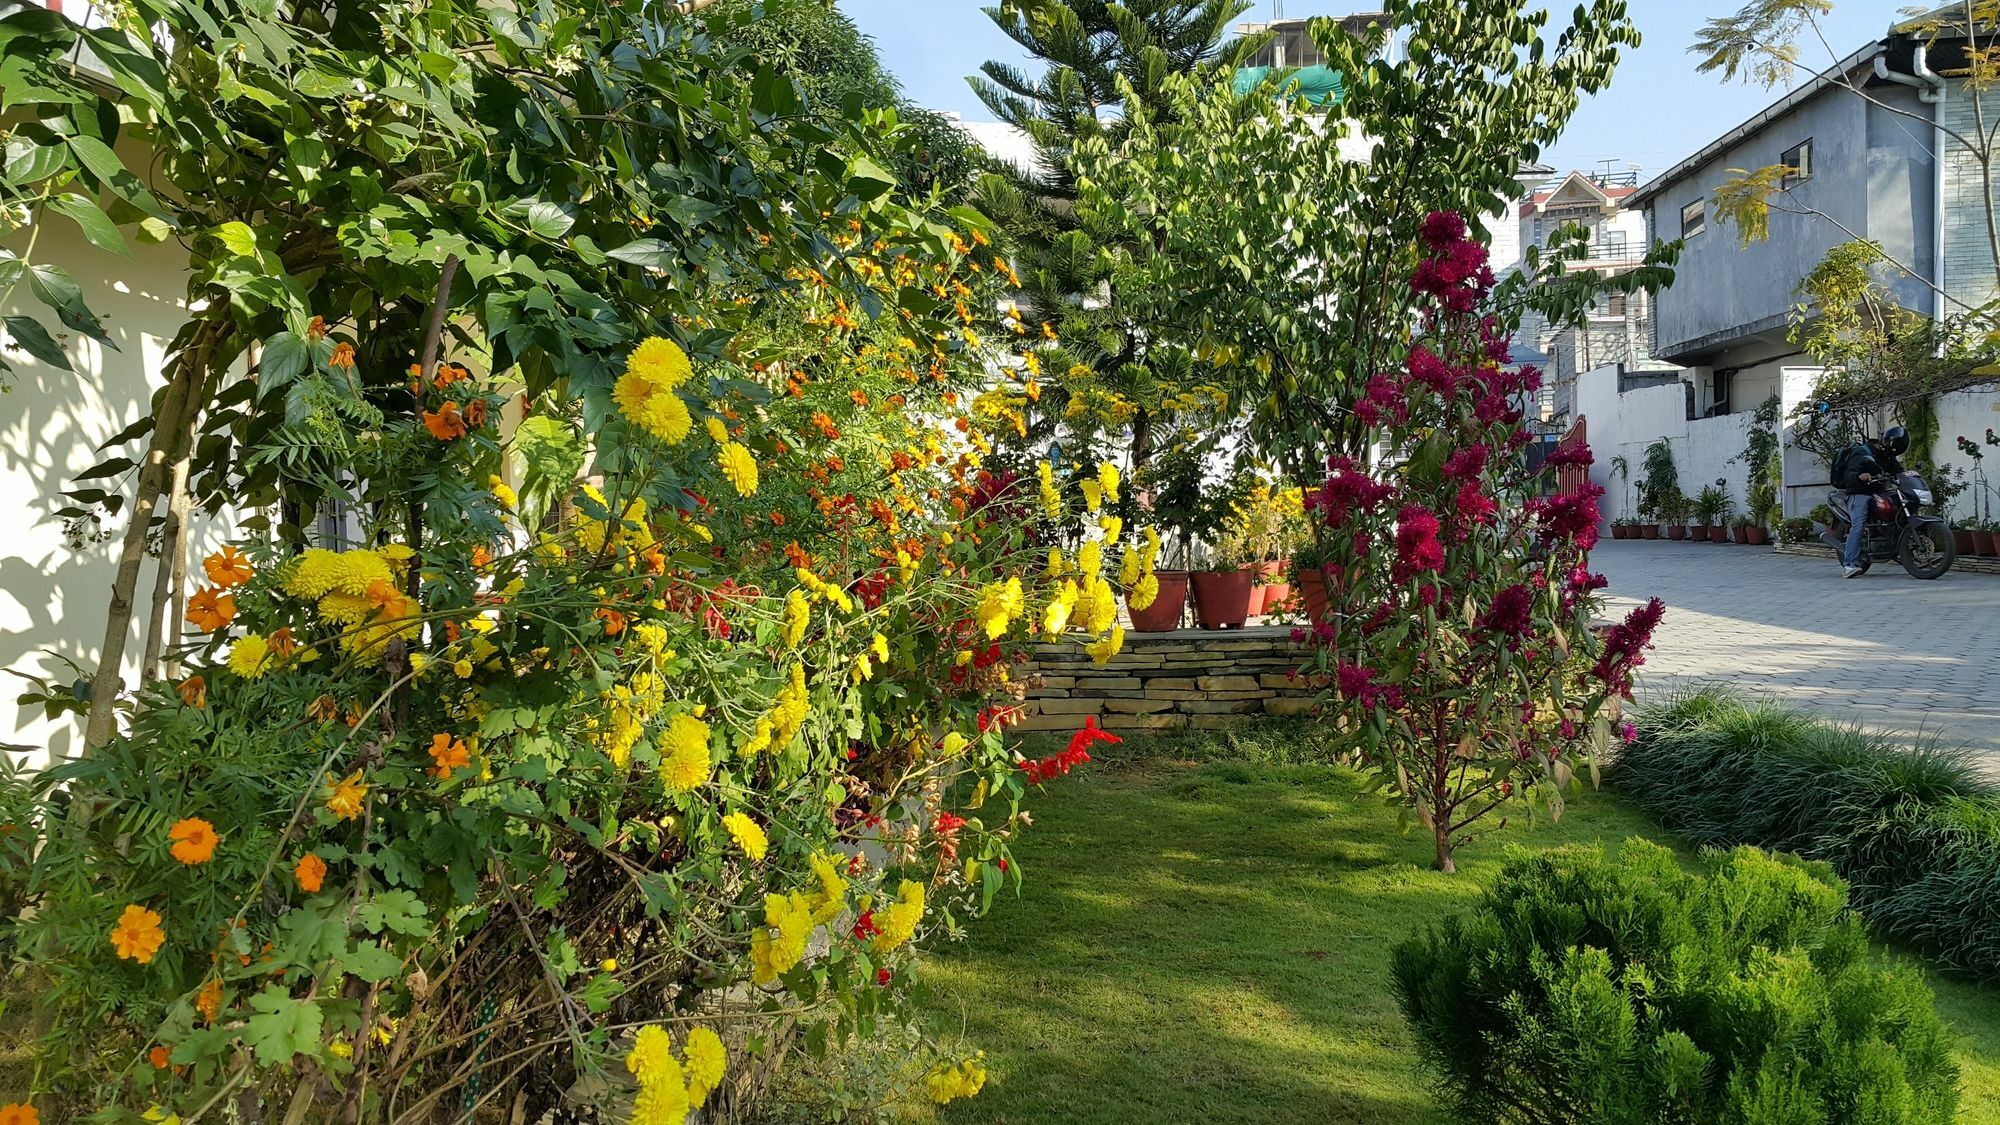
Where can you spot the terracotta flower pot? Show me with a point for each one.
(1313, 595)
(1983, 545)
(1757, 536)
(1271, 589)
(1222, 598)
(1962, 541)
(1701, 533)
(1165, 612)
(1621, 531)
(1649, 531)
(1677, 531)
(1740, 533)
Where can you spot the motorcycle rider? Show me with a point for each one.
(1857, 471)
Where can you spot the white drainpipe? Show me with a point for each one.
(1931, 91)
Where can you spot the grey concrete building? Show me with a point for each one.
(1864, 168)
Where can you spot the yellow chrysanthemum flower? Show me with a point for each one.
(738, 466)
(502, 493)
(797, 616)
(899, 920)
(828, 899)
(718, 432)
(1101, 651)
(963, 1079)
(748, 834)
(1056, 617)
(707, 1060)
(781, 942)
(1107, 480)
(1097, 607)
(661, 361)
(999, 604)
(684, 760)
(1144, 593)
(1093, 496)
(250, 656)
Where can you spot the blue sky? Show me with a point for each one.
(1656, 111)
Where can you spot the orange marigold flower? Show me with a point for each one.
(194, 840)
(796, 555)
(860, 397)
(343, 355)
(777, 518)
(475, 413)
(316, 331)
(20, 1113)
(209, 1000)
(389, 602)
(325, 709)
(227, 568)
(282, 643)
(211, 609)
(480, 557)
(449, 754)
(194, 692)
(137, 935)
(614, 622)
(311, 873)
(158, 1057)
(446, 423)
(345, 797)
(449, 373)
(656, 559)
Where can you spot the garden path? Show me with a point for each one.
(1886, 650)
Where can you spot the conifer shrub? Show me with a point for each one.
(1627, 989)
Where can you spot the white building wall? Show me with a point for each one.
(1705, 449)
(53, 598)
(1970, 414)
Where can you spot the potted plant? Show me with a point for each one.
(1764, 514)
(1223, 586)
(1986, 540)
(1660, 490)
(1624, 527)
(1309, 575)
(1173, 485)
(1798, 530)
(1265, 529)
(1711, 513)
(1674, 509)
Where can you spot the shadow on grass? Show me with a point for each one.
(1210, 943)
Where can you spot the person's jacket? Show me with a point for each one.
(1853, 461)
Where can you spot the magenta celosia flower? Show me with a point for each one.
(1578, 454)
(1442, 228)
(1347, 489)
(1426, 368)
(1567, 517)
(1417, 546)
(1624, 647)
(1512, 612)
(1473, 506)
(1466, 464)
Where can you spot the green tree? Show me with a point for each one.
(1123, 378)
(1279, 245)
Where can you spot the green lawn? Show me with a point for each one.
(1208, 941)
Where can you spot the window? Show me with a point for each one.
(1798, 164)
(1611, 244)
(1694, 218)
(1608, 305)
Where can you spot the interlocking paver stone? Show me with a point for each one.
(1885, 650)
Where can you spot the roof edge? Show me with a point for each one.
(1707, 153)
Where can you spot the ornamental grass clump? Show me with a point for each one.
(1914, 829)
(1463, 657)
(1587, 989)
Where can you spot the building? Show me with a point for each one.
(1618, 329)
(1291, 45)
(1861, 142)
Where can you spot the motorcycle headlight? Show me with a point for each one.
(1923, 495)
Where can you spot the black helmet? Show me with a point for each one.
(1896, 439)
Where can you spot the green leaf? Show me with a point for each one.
(283, 1027)
(237, 238)
(28, 162)
(55, 289)
(644, 252)
(97, 226)
(152, 230)
(109, 468)
(370, 962)
(29, 335)
(286, 357)
(400, 911)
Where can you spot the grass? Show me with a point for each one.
(1204, 934)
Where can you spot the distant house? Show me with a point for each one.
(1860, 168)
(1617, 330)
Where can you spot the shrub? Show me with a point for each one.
(1915, 830)
(1795, 531)
(1630, 990)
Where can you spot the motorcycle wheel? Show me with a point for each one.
(1927, 550)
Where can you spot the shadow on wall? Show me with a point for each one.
(52, 597)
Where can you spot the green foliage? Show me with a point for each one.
(1797, 530)
(1764, 460)
(1247, 225)
(1759, 41)
(1914, 829)
(1589, 990)
(1660, 484)
(1713, 506)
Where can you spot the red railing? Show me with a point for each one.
(1571, 478)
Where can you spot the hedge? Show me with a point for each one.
(1914, 829)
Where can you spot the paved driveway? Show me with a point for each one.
(1886, 650)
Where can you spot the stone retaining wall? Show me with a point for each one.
(1166, 681)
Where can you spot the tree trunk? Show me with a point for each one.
(162, 627)
(177, 406)
(1444, 863)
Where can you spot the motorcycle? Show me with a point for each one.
(1898, 529)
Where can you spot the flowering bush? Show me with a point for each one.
(598, 787)
(1465, 660)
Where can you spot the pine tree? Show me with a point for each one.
(1135, 382)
